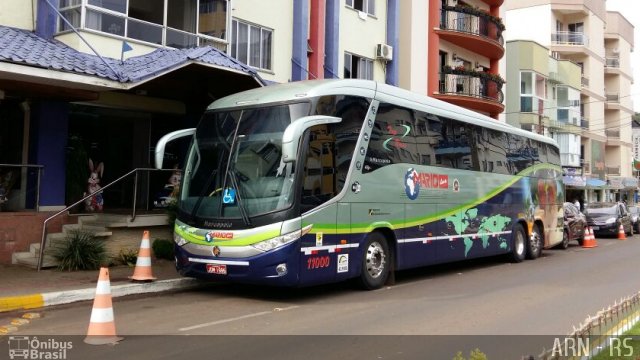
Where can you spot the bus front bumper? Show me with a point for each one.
(266, 268)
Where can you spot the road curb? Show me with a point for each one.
(39, 300)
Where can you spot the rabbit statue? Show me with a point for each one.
(96, 202)
(169, 193)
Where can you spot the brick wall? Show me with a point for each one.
(20, 229)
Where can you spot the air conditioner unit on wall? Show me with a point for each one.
(384, 51)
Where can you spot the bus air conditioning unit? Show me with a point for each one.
(384, 52)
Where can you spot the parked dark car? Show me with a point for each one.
(605, 218)
(635, 217)
(575, 224)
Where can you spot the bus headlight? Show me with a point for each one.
(179, 240)
(281, 240)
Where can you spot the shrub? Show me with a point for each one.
(163, 249)
(81, 251)
(128, 256)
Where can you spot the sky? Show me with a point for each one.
(630, 9)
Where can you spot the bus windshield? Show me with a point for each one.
(234, 167)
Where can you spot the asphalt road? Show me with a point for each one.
(504, 309)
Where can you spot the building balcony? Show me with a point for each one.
(613, 170)
(584, 81)
(584, 123)
(569, 38)
(613, 98)
(569, 42)
(563, 127)
(473, 90)
(613, 137)
(472, 29)
(612, 62)
(612, 134)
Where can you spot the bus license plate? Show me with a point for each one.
(217, 269)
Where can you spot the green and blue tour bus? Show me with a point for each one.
(321, 181)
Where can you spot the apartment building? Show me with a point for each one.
(546, 100)
(460, 63)
(321, 39)
(600, 43)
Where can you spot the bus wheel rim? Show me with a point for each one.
(519, 243)
(376, 259)
(535, 241)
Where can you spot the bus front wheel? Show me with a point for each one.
(375, 262)
(518, 241)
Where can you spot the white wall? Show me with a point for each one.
(520, 23)
(276, 15)
(359, 34)
(18, 13)
(413, 42)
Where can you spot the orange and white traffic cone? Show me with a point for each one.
(143, 272)
(589, 240)
(621, 234)
(102, 329)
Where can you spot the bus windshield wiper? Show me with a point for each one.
(233, 176)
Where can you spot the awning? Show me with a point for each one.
(596, 183)
(575, 181)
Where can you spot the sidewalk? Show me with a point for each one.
(25, 288)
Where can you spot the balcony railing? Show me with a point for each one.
(584, 123)
(612, 133)
(613, 170)
(569, 38)
(613, 97)
(584, 81)
(472, 21)
(474, 85)
(613, 62)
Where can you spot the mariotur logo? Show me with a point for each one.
(25, 347)
(414, 181)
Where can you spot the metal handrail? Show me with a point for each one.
(27, 166)
(133, 215)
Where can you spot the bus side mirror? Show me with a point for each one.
(162, 143)
(293, 132)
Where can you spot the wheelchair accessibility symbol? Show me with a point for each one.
(229, 196)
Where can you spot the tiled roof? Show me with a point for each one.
(25, 47)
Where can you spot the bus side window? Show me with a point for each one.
(392, 139)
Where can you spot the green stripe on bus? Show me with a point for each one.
(248, 240)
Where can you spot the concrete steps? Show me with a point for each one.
(100, 225)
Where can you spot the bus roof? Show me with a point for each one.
(367, 88)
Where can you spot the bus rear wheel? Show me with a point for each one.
(535, 243)
(518, 241)
(375, 262)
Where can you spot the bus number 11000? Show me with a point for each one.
(318, 262)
